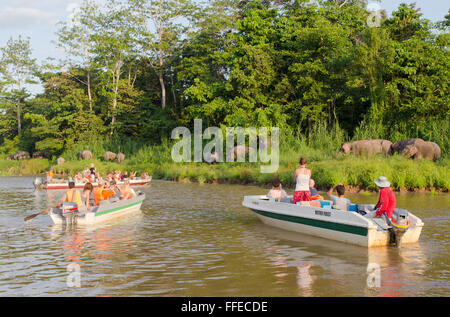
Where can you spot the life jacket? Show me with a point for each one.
(74, 195)
(98, 196)
(50, 174)
(107, 193)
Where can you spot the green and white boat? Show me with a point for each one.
(345, 226)
(107, 210)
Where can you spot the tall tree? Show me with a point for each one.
(17, 70)
(162, 23)
(115, 41)
(75, 37)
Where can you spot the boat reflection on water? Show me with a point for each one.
(98, 248)
(284, 261)
(316, 264)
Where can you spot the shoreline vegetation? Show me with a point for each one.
(246, 174)
(328, 169)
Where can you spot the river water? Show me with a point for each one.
(198, 240)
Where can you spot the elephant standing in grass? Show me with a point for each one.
(109, 156)
(367, 147)
(120, 157)
(41, 155)
(21, 155)
(422, 150)
(240, 150)
(211, 158)
(399, 146)
(86, 155)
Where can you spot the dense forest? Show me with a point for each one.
(136, 69)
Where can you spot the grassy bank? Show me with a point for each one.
(354, 172)
(320, 147)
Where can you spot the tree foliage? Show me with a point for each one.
(138, 68)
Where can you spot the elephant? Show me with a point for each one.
(422, 150)
(240, 150)
(367, 147)
(41, 155)
(109, 156)
(60, 160)
(86, 155)
(120, 157)
(211, 158)
(21, 155)
(399, 146)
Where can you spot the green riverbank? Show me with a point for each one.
(356, 173)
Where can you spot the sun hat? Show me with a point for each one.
(382, 182)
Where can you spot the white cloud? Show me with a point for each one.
(23, 17)
(40, 3)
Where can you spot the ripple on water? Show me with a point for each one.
(193, 240)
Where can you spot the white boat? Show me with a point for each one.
(106, 210)
(38, 183)
(345, 226)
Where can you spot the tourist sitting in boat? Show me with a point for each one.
(124, 175)
(117, 176)
(313, 191)
(144, 175)
(339, 201)
(86, 172)
(86, 179)
(126, 191)
(78, 178)
(132, 175)
(109, 177)
(386, 201)
(87, 191)
(113, 189)
(98, 196)
(72, 195)
(107, 191)
(301, 178)
(277, 192)
(50, 176)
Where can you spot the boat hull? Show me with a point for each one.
(343, 226)
(105, 212)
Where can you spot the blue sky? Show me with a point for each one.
(37, 19)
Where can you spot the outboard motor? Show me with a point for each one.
(69, 211)
(37, 182)
(400, 224)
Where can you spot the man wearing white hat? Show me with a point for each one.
(386, 201)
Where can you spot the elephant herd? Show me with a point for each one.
(411, 148)
(84, 155)
(108, 156)
(235, 152)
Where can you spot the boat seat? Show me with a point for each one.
(381, 223)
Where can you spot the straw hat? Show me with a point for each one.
(382, 182)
